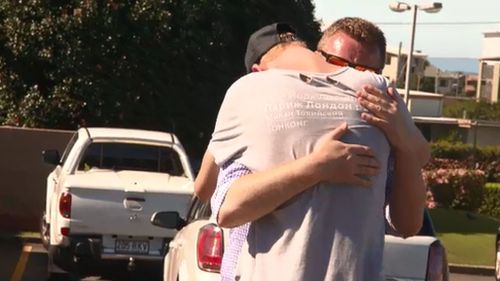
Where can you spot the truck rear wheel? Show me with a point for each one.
(44, 231)
(61, 257)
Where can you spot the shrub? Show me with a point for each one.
(455, 188)
(452, 155)
(491, 202)
(451, 150)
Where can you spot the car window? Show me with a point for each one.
(129, 156)
(427, 226)
(198, 210)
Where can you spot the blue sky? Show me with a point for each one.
(462, 41)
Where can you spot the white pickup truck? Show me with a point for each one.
(103, 191)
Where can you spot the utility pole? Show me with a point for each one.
(398, 67)
(436, 82)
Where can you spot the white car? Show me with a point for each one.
(195, 253)
(102, 193)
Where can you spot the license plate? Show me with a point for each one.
(132, 247)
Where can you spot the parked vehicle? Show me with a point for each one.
(497, 259)
(195, 253)
(103, 191)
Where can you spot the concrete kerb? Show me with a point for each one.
(472, 269)
(26, 237)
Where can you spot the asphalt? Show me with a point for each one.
(454, 268)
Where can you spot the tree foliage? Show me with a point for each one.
(473, 110)
(153, 64)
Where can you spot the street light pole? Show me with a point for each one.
(410, 56)
(399, 7)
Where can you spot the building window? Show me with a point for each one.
(443, 83)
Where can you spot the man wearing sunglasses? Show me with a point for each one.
(358, 43)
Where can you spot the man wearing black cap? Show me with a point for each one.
(325, 208)
(268, 38)
(271, 38)
(264, 48)
(261, 41)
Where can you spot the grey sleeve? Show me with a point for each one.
(227, 141)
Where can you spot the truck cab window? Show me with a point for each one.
(129, 156)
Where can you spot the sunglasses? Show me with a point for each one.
(333, 59)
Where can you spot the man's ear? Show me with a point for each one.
(256, 68)
(318, 53)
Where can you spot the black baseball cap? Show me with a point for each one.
(265, 38)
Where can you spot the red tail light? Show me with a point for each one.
(65, 231)
(65, 205)
(437, 265)
(210, 248)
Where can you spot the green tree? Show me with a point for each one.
(153, 64)
(427, 84)
(473, 110)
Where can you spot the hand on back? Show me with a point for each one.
(390, 114)
(343, 163)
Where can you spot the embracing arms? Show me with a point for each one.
(410, 150)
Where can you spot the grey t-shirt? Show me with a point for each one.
(328, 232)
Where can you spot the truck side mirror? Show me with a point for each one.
(51, 156)
(171, 220)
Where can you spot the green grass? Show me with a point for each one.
(22, 234)
(468, 238)
(492, 185)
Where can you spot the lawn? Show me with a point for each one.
(468, 238)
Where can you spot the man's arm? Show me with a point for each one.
(408, 194)
(390, 113)
(204, 184)
(255, 195)
(410, 150)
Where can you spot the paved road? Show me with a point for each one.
(24, 261)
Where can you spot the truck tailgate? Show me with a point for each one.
(123, 212)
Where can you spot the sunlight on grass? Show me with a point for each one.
(474, 249)
(468, 238)
(20, 234)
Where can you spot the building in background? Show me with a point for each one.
(449, 83)
(439, 81)
(471, 85)
(395, 67)
(432, 87)
(489, 68)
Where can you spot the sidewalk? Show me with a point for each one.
(29, 237)
(472, 269)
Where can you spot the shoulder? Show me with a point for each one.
(367, 77)
(263, 81)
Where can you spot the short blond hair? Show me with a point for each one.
(276, 51)
(361, 30)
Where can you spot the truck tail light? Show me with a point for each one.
(210, 248)
(437, 265)
(65, 231)
(65, 205)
